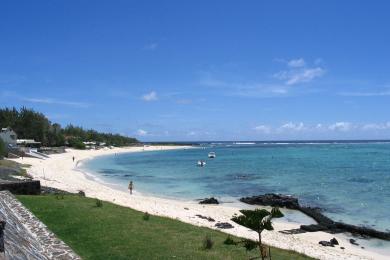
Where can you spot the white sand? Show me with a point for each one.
(60, 172)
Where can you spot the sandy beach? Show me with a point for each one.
(59, 171)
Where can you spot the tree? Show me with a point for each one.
(29, 124)
(257, 220)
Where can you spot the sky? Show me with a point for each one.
(201, 70)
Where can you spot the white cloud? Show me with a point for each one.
(383, 126)
(340, 126)
(366, 94)
(141, 132)
(293, 126)
(52, 101)
(263, 129)
(304, 75)
(151, 46)
(296, 63)
(298, 72)
(191, 133)
(152, 96)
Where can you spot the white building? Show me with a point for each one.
(8, 136)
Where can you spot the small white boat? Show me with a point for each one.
(201, 163)
(212, 155)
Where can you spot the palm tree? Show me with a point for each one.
(258, 220)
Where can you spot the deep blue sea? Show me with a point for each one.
(350, 181)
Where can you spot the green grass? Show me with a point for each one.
(115, 232)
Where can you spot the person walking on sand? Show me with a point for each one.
(131, 187)
(73, 158)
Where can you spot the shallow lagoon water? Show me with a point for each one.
(351, 181)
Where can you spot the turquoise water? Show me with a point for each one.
(351, 181)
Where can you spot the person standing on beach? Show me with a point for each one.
(131, 187)
(73, 158)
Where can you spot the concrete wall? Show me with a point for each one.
(25, 237)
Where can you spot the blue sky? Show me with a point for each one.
(201, 70)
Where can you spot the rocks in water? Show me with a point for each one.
(211, 200)
(210, 219)
(326, 243)
(324, 223)
(334, 241)
(224, 225)
(342, 247)
(353, 242)
(273, 200)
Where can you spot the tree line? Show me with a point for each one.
(29, 124)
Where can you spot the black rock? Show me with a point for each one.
(326, 243)
(211, 200)
(342, 247)
(334, 241)
(206, 218)
(353, 242)
(324, 223)
(224, 225)
(313, 228)
(273, 200)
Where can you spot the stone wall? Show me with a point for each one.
(28, 187)
(26, 237)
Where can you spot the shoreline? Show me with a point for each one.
(59, 171)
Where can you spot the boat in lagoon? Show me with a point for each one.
(212, 155)
(201, 163)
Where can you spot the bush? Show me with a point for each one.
(81, 193)
(99, 203)
(59, 195)
(229, 241)
(249, 244)
(146, 216)
(207, 242)
(2, 149)
(276, 213)
(76, 143)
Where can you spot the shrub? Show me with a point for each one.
(81, 193)
(229, 241)
(207, 242)
(99, 203)
(249, 244)
(59, 195)
(76, 143)
(276, 213)
(146, 216)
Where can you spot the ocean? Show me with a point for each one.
(350, 181)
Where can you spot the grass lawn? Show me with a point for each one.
(115, 232)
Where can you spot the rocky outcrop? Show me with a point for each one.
(324, 223)
(224, 225)
(273, 200)
(333, 242)
(211, 200)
